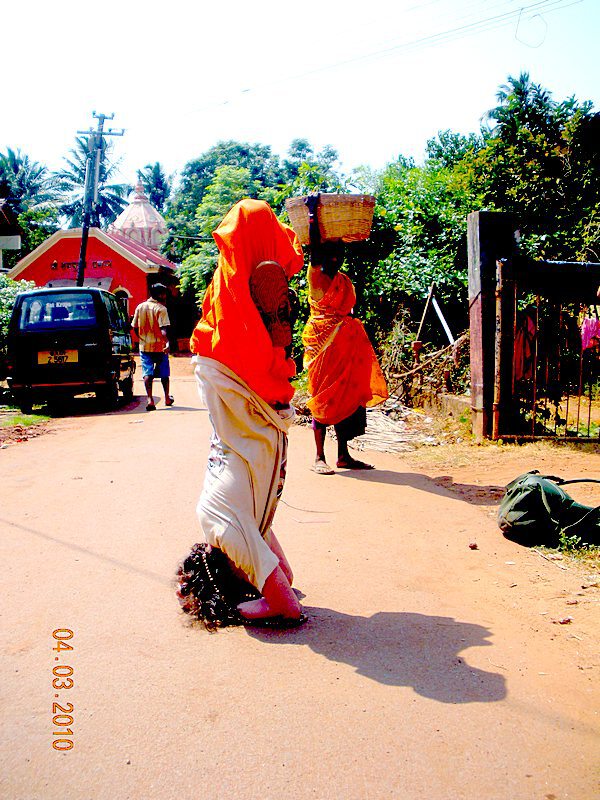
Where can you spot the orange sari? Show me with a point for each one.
(231, 329)
(343, 371)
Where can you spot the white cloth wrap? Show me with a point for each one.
(244, 473)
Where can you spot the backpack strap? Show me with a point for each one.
(563, 482)
(592, 517)
(581, 480)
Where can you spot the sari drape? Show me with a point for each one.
(343, 371)
(246, 469)
(231, 329)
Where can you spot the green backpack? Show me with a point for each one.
(535, 511)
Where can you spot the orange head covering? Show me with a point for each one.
(231, 329)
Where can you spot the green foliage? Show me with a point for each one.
(535, 158)
(157, 184)
(23, 182)
(448, 149)
(307, 172)
(230, 184)
(196, 177)
(8, 293)
(541, 163)
(70, 183)
(37, 224)
(23, 420)
(29, 191)
(269, 179)
(573, 546)
(427, 207)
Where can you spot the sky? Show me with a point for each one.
(374, 79)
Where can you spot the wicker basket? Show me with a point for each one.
(345, 217)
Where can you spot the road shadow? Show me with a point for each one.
(89, 406)
(442, 485)
(400, 649)
(475, 494)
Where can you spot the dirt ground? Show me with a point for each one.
(427, 669)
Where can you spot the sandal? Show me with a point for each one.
(352, 463)
(322, 468)
(276, 623)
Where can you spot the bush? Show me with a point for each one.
(9, 289)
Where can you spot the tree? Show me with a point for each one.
(428, 207)
(230, 184)
(71, 186)
(448, 148)
(523, 105)
(8, 293)
(306, 172)
(541, 164)
(30, 192)
(157, 184)
(23, 182)
(197, 175)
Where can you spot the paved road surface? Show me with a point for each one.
(428, 671)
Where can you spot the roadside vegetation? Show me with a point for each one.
(534, 157)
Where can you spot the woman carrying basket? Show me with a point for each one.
(344, 376)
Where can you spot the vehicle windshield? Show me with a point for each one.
(59, 310)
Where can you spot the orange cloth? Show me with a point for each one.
(231, 329)
(343, 371)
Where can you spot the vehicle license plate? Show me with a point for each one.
(58, 357)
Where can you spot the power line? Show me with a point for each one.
(92, 174)
(484, 25)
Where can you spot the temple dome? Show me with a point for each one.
(140, 221)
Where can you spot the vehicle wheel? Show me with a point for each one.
(25, 403)
(58, 405)
(108, 396)
(127, 389)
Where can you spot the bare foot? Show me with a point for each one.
(352, 463)
(321, 467)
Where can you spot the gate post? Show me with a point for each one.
(490, 237)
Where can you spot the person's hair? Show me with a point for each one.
(157, 289)
(208, 590)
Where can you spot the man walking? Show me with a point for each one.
(151, 323)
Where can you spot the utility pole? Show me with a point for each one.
(92, 174)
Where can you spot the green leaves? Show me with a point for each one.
(8, 293)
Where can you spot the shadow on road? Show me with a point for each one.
(443, 485)
(88, 406)
(475, 494)
(400, 649)
(85, 551)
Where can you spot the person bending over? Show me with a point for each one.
(239, 574)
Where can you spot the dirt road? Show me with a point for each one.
(428, 670)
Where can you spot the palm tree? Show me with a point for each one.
(524, 105)
(24, 183)
(157, 184)
(71, 185)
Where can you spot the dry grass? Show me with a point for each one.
(467, 453)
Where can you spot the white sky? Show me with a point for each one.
(374, 79)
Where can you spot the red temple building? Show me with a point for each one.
(124, 259)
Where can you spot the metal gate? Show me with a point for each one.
(555, 370)
(535, 339)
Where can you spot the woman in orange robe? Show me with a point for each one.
(344, 376)
(244, 373)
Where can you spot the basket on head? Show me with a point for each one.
(345, 217)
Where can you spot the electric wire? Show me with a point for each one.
(476, 27)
